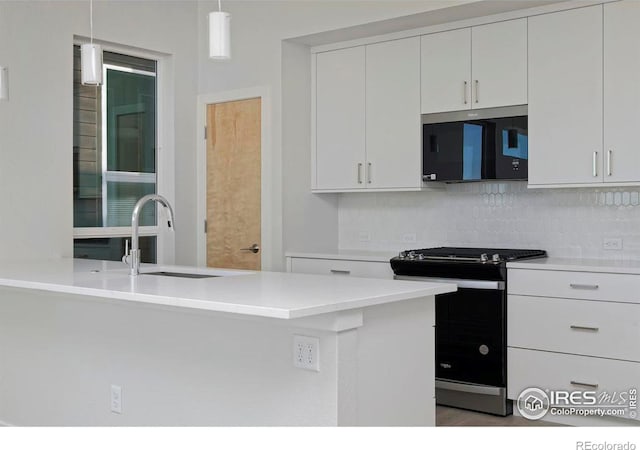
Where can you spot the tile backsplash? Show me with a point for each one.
(565, 222)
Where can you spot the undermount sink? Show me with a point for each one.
(181, 274)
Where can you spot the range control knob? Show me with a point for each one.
(496, 257)
(402, 255)
(411, 255)
(420, 256)
(484, 258)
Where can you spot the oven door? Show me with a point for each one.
(471, 332)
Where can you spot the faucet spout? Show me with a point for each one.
(133, 258)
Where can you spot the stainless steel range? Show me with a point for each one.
(471, 327)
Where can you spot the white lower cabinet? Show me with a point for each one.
(341, 267)
(559, 371)
(573, 330)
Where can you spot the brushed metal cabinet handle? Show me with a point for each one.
(464, 92)
(589, 385)
(340, 272)
(359, 173)
(587, 287)
(369, 173)
(582, 328)
(595, 164)
(609, 162)
(477, 84)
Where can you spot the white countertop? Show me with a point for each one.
(579, 265)
(264, 294)
(350, 255)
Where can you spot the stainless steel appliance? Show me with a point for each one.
(482, 144)
(471, 325)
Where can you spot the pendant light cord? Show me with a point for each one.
(219, 5)
(91, 19)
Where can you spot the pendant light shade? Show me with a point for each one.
(219, 35)
(91, 57)
(4, 83)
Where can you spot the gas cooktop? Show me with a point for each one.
(460, 262)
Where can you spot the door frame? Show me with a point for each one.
(266, 158)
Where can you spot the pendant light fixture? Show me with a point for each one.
(91, 58)
(219, 34)
(4, 83)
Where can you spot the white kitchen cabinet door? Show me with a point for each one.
(340, 119)
(446, 71)
(621, 91)
(393, 114)
(565, 97)
(499, 64)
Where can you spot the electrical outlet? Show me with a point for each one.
(306, 352)
(116, 399)
(612, 244)
(364, 236)
(409, 238)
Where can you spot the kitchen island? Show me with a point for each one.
(84, 343)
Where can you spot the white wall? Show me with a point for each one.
(259, 58)
(565, 222)
(36, 125)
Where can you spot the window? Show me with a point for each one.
(114, 157)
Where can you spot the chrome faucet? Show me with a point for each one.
(132, 258)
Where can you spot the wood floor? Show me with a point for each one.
(453, 417)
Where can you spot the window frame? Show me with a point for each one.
(165, 184)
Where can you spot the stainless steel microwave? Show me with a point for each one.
(475, 145)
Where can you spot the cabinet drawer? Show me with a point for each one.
(580, 285)
(557, 371)
(365, 269)
(605, 329)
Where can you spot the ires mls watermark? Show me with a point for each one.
(534, 403)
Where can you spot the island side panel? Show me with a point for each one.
(395, 374)
(60, 354)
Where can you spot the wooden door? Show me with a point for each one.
(621, 91)
(565, 97)
(446, 71)
(233, 184)
(340, 119)
(499, 64)
(393, 114)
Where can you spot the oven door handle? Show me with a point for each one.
(463, 284)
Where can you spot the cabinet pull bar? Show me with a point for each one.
(464, 90)
(581, 328)
(589, 385)
(369, 173)
(609, 162)
(588, 287)
(595, 164)
(477, 91)
(359, 173)
(340, 272)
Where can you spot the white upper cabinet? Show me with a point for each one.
(499, 64)
(621, 91)
(478, 67)
(393, 114)
(446, 71)
(367, 118)
(340, 119)
(565, 97)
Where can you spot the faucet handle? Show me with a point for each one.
(125, 258)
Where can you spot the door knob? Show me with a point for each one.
(255, 248)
